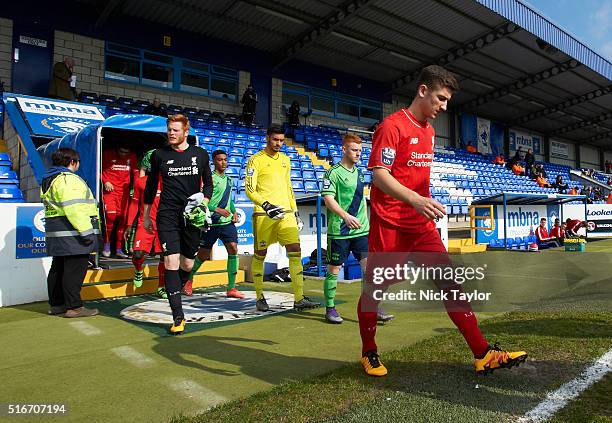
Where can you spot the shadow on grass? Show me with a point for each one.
(240, 356)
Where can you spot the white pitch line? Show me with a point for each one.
(85, 328)
(558, 399)
(133, 356)
(204, 397)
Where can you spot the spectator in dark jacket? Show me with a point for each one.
(155, 109)
(59, 86)
(249, 104)
(293, 114)
(560, 185)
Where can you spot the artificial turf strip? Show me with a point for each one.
(433, 381)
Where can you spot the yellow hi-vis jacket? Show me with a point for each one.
(71, 215)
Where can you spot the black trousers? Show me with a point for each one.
(65, 280)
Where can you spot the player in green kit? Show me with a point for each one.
(347, 220)
(223, 218)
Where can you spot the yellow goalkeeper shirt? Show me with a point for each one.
(268, 178)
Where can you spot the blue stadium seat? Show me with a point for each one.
(9, 177)
(307, 165)
(10, 194)
(296, 174)
(309, 175)
(233, 171)
(234, 151)
(241, 198)
(295, 165)
(311, 186)
(234, 160)
(298, 186)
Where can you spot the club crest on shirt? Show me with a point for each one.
(250, 171)
(326, 183)
(194, 161)
(388, 156)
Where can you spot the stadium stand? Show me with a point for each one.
(9, 182)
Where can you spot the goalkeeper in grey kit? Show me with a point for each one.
(186, 188)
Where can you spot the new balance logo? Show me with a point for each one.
(414, 140)
(170, 162)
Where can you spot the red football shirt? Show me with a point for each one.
(117, 170)
(573, 225)
(137, 201)
(542, 234)
(404, 146)
(556, 232)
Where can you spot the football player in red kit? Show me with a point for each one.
(117, 166)
(403, 214)
(145, 241)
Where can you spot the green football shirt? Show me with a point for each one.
(223, 198)
(346, 186)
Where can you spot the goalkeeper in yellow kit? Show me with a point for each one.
(275, 216)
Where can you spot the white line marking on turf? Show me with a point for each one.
(197, 393)
(85, 328)
(556, 400)
(132, 356)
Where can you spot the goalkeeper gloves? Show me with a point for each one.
(300, 222)
(273, 212)
(196, 212)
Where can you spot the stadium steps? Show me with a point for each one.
(465, 246)
(117, 282)
(302, 152)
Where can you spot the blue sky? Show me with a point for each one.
(589, 20)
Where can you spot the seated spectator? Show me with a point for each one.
(609, 200)
(470, 148)
(573, 191)
(572, 226)
(558, 231)
(541, 181)
(519, 154)
(517, 169)
(610, 181)
(561, 187)
(499, 160)
(544, 239)
(155, 109)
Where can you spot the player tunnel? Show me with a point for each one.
(139, 133)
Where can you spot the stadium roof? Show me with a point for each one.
(515, 66)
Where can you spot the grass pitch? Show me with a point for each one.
(295, 367)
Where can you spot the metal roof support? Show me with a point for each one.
(455, 53)
(106, 12)
(563, 105)
(584, 123)
(598, 137)
(522, 83)
(325, 26)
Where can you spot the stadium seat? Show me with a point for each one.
(10, 194)
(9, 177)
(309, 175)
(311, 186)
(298, 186)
